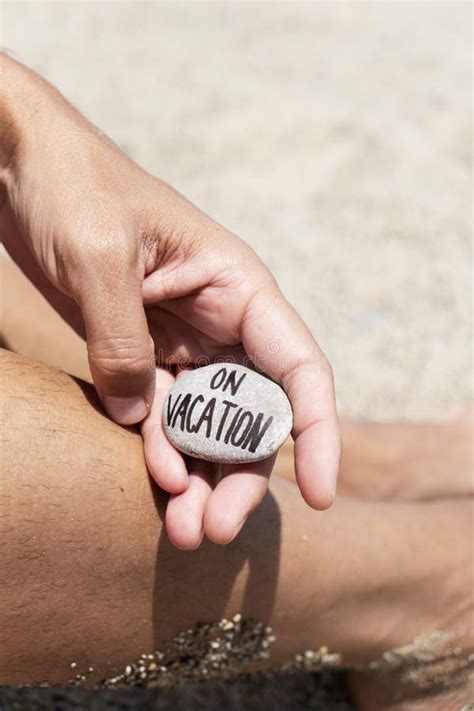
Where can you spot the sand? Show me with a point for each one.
(335, 138)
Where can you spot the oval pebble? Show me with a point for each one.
(226, 412)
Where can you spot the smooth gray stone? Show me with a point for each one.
(227, 413)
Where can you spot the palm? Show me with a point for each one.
(193, 331)
(184, 340)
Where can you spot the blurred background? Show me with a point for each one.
(334, 137)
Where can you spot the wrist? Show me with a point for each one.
(9, 125)
(27, 112)
(19, 102)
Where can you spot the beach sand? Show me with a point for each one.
(335, 138)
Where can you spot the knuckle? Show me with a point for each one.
(101, 244)
(121, 359)
(96, 258)
(100, 249)
(325, 367)
(91, 251)
(319, 365)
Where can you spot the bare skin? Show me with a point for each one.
(404, 461)
(92, 558)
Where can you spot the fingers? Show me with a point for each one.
(165, 464)
(279, 343)
(185, 513)
(316, 434)
(121, 352)
(218, 514)
(238, 493)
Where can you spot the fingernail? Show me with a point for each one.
(125, 410)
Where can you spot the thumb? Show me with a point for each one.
(120, 348)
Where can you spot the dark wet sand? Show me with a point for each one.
(282, 692)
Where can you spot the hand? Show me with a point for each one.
(148, 278)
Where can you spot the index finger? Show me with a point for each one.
(280, 344)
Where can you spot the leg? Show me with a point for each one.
(402, 461)
(410, 461)
(30, 326)
(90, 577)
